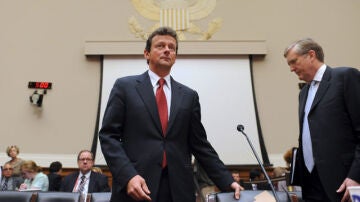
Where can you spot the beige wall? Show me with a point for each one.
(44, 41)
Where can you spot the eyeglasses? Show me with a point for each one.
(85, 159)
(5, 169)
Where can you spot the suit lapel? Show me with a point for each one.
(145, 90)
(176, 99)
(302, 101)
(146, 93)
(73, 180)
(91, 187)
(323, 87)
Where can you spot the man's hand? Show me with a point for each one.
(235, 186)
(137, 189)
(343, 187)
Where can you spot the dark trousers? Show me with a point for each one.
(313, 190)
(164, 194)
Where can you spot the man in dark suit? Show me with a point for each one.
(328, 159)
(54, 176)
(91, 182)
(149, 151)
(8, 181)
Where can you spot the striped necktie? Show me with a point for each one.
(82, 184)
(5, 185)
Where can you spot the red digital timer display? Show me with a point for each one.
(39, 85)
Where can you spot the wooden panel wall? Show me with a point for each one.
(243, 170)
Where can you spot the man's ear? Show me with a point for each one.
(146, 54)
(312, 53)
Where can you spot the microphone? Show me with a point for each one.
(241, 128)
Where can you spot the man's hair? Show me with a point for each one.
(85, 150)
(254, 173)
(161, 31)
(303, 46)
(55, 166)
(7, 163)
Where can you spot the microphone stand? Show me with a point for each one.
(241, 129)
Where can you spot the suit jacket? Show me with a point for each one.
(97, 183)
(54, 181)
(13, 183)
(334, 123)
(132, 141)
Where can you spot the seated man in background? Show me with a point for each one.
(85, 181)
(54, 176)
(236, 176)
(258, 181)
(255, 175)
(8, 182)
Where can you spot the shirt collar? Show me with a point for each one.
(320, 72)
(154, 78)
(87, 175)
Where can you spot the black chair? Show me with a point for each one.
(260, 185)
(58, 197)
(249, 196)
(100, 197)
(16, 196)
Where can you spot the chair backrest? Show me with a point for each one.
(58, 197)
(249, 196)
(258, 186)
(100, 197)
(16, 196)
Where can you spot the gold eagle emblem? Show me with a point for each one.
(177, 14)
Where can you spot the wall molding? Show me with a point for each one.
(245, 47)
(44, 160)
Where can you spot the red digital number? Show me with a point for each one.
(40, 85)
(44, 85)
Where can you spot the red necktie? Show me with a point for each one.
(163, 112)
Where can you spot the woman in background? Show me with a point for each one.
(15, 162)
(34, 178)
